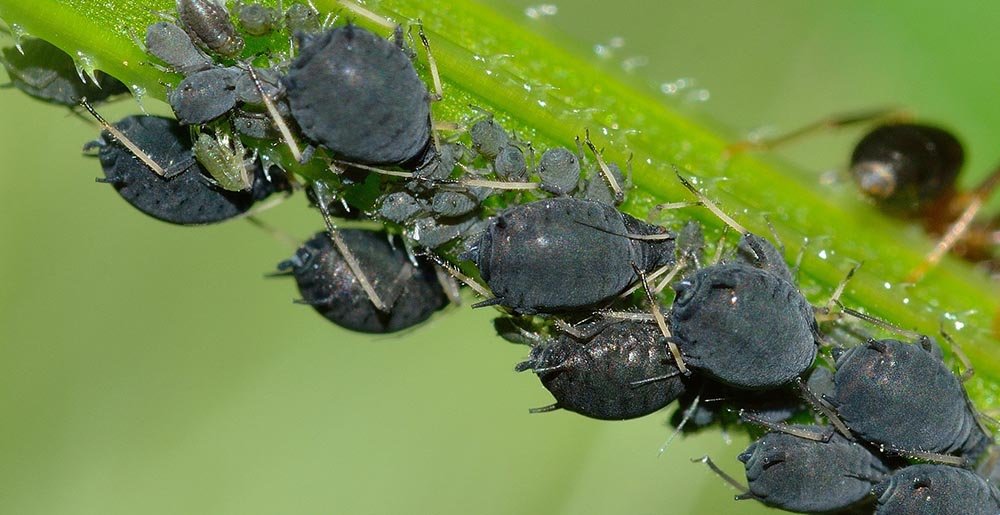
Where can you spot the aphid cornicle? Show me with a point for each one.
(565, 254)
(808, 476)
(359, 96)
(46, 72)
(185, 196)
(210, 27)
(327, 283)
(616, 371)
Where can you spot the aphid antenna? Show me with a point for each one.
(799, 258)
(652, 276)
(669, 206)
(654, 306)
(944, 459)
(544, 409)
(688, 413)
(336, 166)
(712, 206)
(260, 207)
(431, 62)
(823, 408)
(774, 234)
(605, 171)
(781, 427)
(726, 477)
(958, 228)
(120, 137)
(500, 185)
(827, 309)
(632, 236)
(272, 110)
(352, 261)
(654, 379)
(569, 329)
(274, 232)
(669, 279)
(719, 247)
(884, 114)
(921, 339)
(627, 315)
(363, 12)
(967, 372)
(457, 274)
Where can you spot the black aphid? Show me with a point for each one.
(488, 137)
(807, 476)
(510, 164)
(210, 27)
(902, 396)
(745, 323)
(559, 170)
(172, 45)
(359, 96)
(326, 282)
(184, 195)
(47, 73)
(615, 371)
(936, 490)
(205, 95)
(565, 254)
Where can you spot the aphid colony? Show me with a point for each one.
(575, 278)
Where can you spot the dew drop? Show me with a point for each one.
(19, 34)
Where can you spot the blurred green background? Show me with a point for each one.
(146, 368)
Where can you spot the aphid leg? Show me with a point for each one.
(669, 278)
(366, 14)
(569, 329)
(336, 164)
(654, 275)
(129, 144)
(661, 322)
(726, 477)
(959, 228)
(605, 171)
(431, 63)
(945, 459)
(829, 123)
(798, 259)
(688, 413)
(719, 247)
(712, 206)
(826, 310)
(457, 274)
(781, 427)
(448, 284)
(345, 252)
(279, 122)
(921, 339)
(774, 233)
(274, 232)
(627, 315)
(654, 379)
(544, 409)
(967, 369)
(822, 407)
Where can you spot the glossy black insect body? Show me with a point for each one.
(617, 371)
(210, 27)
(47, 73)
(905, 167)
(745, 323)
(808, 476)
(936, 490)
(565, 254)
(185, 196)
(903, 397)
(359, 96)
(327, 283)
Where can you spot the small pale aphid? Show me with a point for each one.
(224, 158)
(210, 27)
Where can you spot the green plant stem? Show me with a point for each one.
(550, 97)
